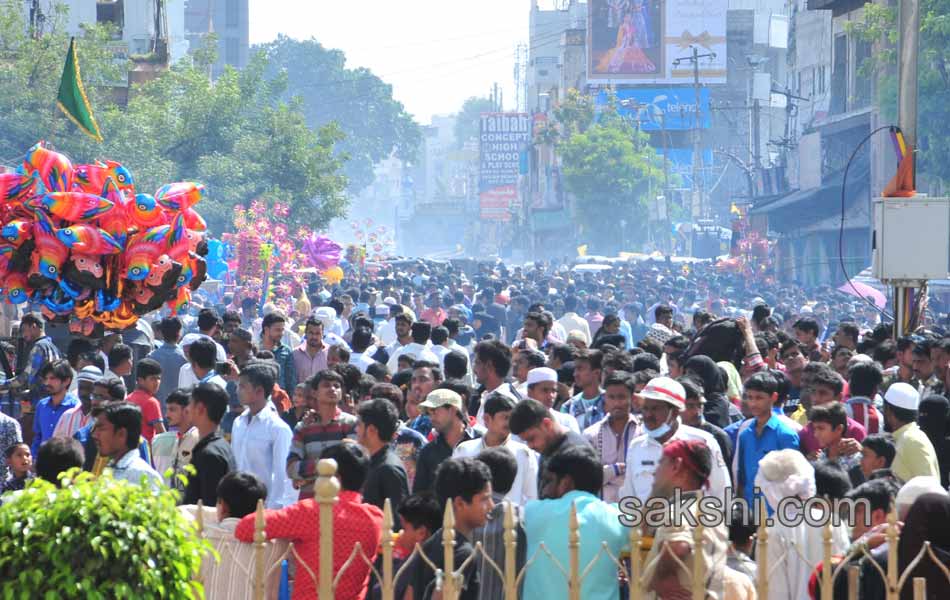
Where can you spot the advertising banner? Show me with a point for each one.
(637, 41)
(503, 140)
(655, 109)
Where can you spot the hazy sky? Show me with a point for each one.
(435, 53)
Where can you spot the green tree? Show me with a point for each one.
(237, 135)
(879, 26)
(373, 124)
(611, 169)
(98, 538)
(467, 121)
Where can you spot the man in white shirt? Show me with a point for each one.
(498, 409)
(542, 386)
(201, 355)
(571, 321)
(492, 363)
(260, 438)
(663, 399)
(418, 349)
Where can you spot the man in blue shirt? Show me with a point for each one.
(57, 377)
(573, 477)
(170, 356)
(763, 433)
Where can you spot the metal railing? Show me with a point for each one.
(630, 567)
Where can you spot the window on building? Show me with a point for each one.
(839, 76)
(862, 80)
(232, 14)
(112, 14)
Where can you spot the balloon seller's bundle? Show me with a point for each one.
(83, 244)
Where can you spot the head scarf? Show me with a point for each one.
(716, 409)
(686, 451)
(926, 521)
(783, 474)
(932, 415)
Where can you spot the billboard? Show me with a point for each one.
(637, 41)
(502, 142)
(655, 109)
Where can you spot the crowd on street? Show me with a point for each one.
(539, 387)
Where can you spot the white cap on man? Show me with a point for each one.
(902, 395)
(540, 375)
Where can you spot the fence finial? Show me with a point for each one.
(326, 490)
(511, 549)
(891, 591)
(574, 548)
(699, 562)
(260, 542)
(387, 543)
(449, 589)
(762, 551)
(826, 588)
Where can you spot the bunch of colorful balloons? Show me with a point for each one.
(79, 240)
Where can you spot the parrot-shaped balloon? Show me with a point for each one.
(50, 251)
(180, 196)
(194, 221)
(16, 187)
(52, 169)
(145, 212)
(75, 206)
(115, 222)
(16, 232)
(143, 250)
(14, 286)
(87, 239)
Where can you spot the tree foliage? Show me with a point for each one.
(373, 124)
(611, 169)
(468, 118)
(239, 135)
(97, 538)
(880, 26)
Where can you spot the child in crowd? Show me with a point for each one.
(148, 378)
(20, 461)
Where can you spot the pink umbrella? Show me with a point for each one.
(858, 289)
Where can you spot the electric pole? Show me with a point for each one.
(907, 120)
(697, 164)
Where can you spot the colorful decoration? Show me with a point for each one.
(376, 241)
(267, 265)
(333, 275)
(80, 242)
(322, 252)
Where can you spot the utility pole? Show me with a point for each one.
(697, 165)
(907, 120)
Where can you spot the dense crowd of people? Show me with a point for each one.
(537, 388)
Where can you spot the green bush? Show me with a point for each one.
(97, 538)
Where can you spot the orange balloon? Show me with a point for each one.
(333, 275)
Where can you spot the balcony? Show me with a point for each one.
(837, 7)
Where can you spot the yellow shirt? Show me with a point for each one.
(915, 454)
(800, 416)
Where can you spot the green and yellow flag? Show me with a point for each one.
(72, 98)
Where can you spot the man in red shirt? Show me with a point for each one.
(148, 376)
(353, 522)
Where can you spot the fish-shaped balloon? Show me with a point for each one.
(75, 206)
(106, 302)
(6, 255)
(145, 212)
(88, 239)
(142, 251)
(14, 287)
(16, 232)
(92, 178)
(51, 252)
(16, 187)
(180, 196)
(54, 170)
(180, 302)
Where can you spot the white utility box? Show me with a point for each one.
(911, 239)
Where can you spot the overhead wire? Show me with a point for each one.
(844, 184)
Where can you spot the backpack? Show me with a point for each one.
(721, 340)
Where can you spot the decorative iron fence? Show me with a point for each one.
(630, 566)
